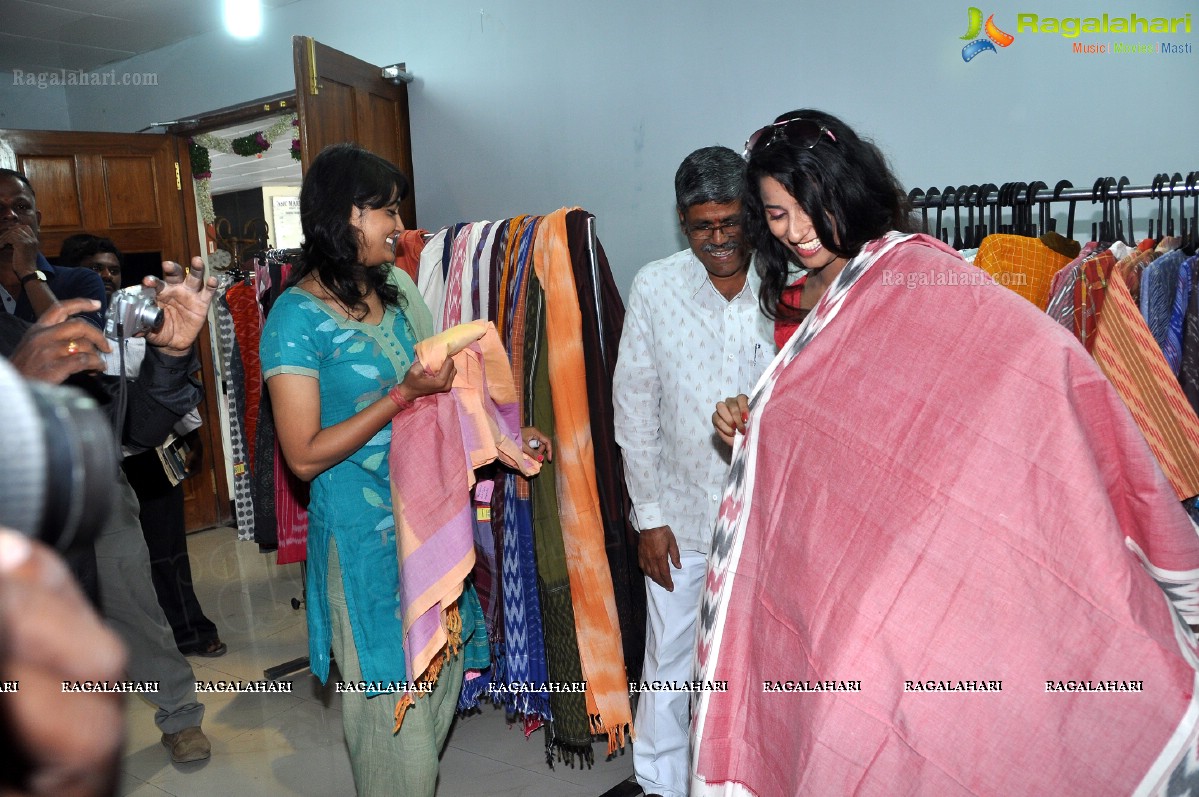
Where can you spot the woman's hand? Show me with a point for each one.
(731, 416)
(543, 450)
(418, 382)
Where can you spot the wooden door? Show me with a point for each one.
(129, 188)
(342, 98)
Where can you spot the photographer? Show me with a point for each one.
(159, 494)
(60, 348)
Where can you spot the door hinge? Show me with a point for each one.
(178, 177)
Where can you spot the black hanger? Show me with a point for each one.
(1183, 228)
(1014, 196)
(932, 199)
(1193, 185)
(1057, 195)
(984, 193)
(1170, 204)
(913, 196)
(942, 232)
(1045, 211)
(985, 199)
(1000, 203)
(1096, 231)
(1120, 236)
(1155, 190)
(970, 239)
(1110, 207)
(958, 195)
(1099, 194)
(1007, 199)
(1030, 198)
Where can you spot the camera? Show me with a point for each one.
(132, 311)
(58, 473)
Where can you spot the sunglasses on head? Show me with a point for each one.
(802, 133)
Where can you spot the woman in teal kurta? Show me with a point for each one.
(337, 354)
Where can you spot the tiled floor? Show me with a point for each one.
(291, 744)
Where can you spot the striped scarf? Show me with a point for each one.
(524, 641)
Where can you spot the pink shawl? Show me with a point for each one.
(435, 446)
(941, 493)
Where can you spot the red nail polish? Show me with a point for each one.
(745, 417)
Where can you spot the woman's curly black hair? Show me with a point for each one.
(844, 185)
(344, 177)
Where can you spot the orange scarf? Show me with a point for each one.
(578, 497)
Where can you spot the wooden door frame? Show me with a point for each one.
(273, 105)
(181, 131)
(170, 234)
(211, 430)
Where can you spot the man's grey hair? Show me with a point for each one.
(711, 174)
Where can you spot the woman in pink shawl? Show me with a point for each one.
(947, 562)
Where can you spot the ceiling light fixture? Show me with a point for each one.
(243, 18)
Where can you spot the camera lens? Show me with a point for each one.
(58, 474)
(149, 317)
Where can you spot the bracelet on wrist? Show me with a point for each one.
(401, 403)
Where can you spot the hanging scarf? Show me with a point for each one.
(582, 524)
(436, 446)
(524, 650)
(601, 313)
(568, 736)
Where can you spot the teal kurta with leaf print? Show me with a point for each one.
(355, 364)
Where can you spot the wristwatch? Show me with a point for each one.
(37, 274)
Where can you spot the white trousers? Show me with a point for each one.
(662, 752)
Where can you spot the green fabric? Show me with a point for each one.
(569, 733)
(402, 764)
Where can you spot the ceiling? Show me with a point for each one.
(83, 35)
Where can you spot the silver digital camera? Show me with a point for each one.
(132, 311)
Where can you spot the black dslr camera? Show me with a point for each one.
(58, 469)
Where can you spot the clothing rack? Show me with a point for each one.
(269, 286)
(280, 255)
(989, 199)
(1108, 188)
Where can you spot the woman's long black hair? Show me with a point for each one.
(847, 177)
(344, 177)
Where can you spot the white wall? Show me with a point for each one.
(31, 108)
(522, 106)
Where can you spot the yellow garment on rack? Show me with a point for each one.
(1025, 265)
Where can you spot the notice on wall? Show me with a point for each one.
(285, 213)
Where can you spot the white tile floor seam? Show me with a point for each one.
(271, 745)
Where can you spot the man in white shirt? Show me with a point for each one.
(693, 335)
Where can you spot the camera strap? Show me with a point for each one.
(122, 397)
